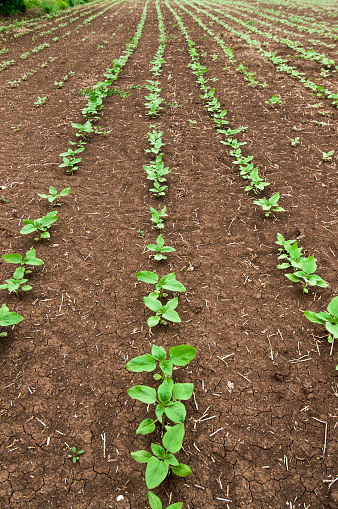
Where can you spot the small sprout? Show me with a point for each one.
(274, 101)
(40, 225)
(192, 122)
(3, 199)
(157, 217)
(40, 101)
(160, 248)
(52, 196)
(75, 455)
(14, 284)
(327, 156)
(294, 142)
(140, 233)
(269, 205)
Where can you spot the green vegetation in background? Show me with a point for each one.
(47, 6)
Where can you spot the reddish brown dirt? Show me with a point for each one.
(263, 374)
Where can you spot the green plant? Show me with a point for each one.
(157, 217)
(192, 122)
(75, 455)
(329, 319)
(3, 199)
(29, 259)
(52, 196)
(269, 205)
(14, 284)
(327, 156)
(168, 400)
(24, 55)
(40, 101)
(8, 318)
(40, 225)
(160, 248)
(140, 233)
(83, 129)
(274, 101)
(17, 127)
(294, 142)
(306, 275)
(257, 183)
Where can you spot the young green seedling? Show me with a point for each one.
(157, 217)
(83, 129)
(286, 244)
(155, 502)
(329, 319)
(52, 197)
(327, 156)
(29, 259)
(158, 465)
(293, 256)
(75, 455)
(40, 101)
(306, 275)
(294, 142)
(14, 284)
(167, 282)
(8, 318)
(274, 101)
(160, 248)
(269, 205)
(257, 183)
(40, 225)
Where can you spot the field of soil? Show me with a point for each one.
(262, 427)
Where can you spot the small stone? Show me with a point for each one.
(119, 498)
(257, 295)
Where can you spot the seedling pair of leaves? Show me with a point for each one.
(53, 194)
(160, 248)
(274, 101)
(154, 104)
(270, 205)
(158, 465)
(29, 259)
(155, 139)
(329, 319)
(8, 318)
(17, 281)
(257, 183)
(75, 455)
(157, 216)
(157, 171)
(153, 301)
(40, 225)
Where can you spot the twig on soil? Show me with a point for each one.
(325, 434)
(245, 378)
(104, 443)
(271, 352)
(330, 481)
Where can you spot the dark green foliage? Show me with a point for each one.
(10, 6)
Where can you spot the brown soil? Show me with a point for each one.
(263, 374)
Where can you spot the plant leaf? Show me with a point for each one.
(147, 277)
(172, 315)
(333, 306)
(183, 391)
(152, 321)
(143, 393)
(175, 411)
(166, 367)
(158, 451)
(310, 315)
(153, 304)
(164, 392)
(177, 505)
(182, 470)
(142, 363)
(309, 265)
(158, 352)
(12, 258)
(156, 472)
(141, 456)
(146, 426)
(154, 501)
(333, 329)
(182, 354)
(173, 438)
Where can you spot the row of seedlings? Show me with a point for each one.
(101, 90)
(279, 62)
(168, 396)
(306, 267)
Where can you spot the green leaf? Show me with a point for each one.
(159, 410)
(159, 353)
(172, 315)
(166, 367)
(173, 438)
(292, 277)
(164, 392)
(333, 329)
(65, 191)
(141, 456)
(175, 411)
(146, 426)
(177, 505)
(171, 460)
(152, 321)
(142, 363)
(143, 393)
(174, 286)
(182, 354)
(183, 391)
(309, 265)
(156, 472)
(160, 241)
(152, 304)
(12, 258)
(28, 228)
(158, 451)
(8, 317)
(157, 376)
(154, 501)
(274, 198)
(19, 272)
(310, 315)
(147, 277)
(182, 470)
(333, 306)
